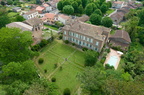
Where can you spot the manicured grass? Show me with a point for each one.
(57, 52)
(66, 78)
(47, 33)
(12, 14)
(54, 28)
(109, 11)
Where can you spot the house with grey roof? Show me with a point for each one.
(36, 23)
(120, 39)
(16, 9)
(86, 35)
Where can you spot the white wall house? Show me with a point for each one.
(48, 8)
(63, 18)
(31, 14)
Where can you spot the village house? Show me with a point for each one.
(117, 4)
(31, 14)
(120, 39)
(40, 9)
(49, 17)
(86, 35)
(16, 9)
(53, 3)
(48, 8)
(36, 23)
(63, 18)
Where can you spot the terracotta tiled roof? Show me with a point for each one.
(118, 2)
(122, 34)
(63, 16)
(39, 8)
(50, 15)
(83, 18)
(45, 5)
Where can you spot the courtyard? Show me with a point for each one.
(62, 62)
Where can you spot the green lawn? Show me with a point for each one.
(58, 52)
(47, 33)
(54, 28)
(109, 11)
(12, 14)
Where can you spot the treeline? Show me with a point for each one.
(83, 6)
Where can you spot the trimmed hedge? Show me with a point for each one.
(41, 60)
(66, 91)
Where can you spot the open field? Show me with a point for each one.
(69, 60)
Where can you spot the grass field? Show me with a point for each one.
(109, 11)
(70, 59)
(12, 14)
(54, 28)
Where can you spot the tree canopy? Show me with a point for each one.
(95, 19)
(107, 22)
(15, 45)
(68, 9)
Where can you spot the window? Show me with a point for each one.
(69, 33)
(71, 39)
(87, 39)
(91, 40)
(77, 35)
(65, 32)
(83, 37)
(97, 43)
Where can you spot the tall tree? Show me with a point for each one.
(90, 58)
(80, 9)
(98, 11)
(104, 8)
(107, 22)
(84, 3)
(15, 45)
(95, 19)
(89, 9)
(75, 6)
(68, 9)
(93, 78)
(60, 5)
(13, 71)
(66, 2)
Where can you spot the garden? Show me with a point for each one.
(61, 63)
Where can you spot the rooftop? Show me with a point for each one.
(64, 16)
(87, 29)
(33, 21)
(39, 8)
(30, 12)
(21, 25)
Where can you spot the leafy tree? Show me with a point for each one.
(24, 71)
(80, 9)
(4, 19)
(102, 1)
(90, 58)
(98, 11)
(66, 2)
(38, 2)
(104, 8)
(126, 76)
(115, 87)
(95, 19)
(109, 4)
(68, 9)
(79, 2)
(89, 9)
(14, 45)
(19, 18)
(66, 91)
(9, 2)
(16, 88)
(107, 22)
(93, 78)
(84, 3)
(75, 6)
(3, 3)
(60, 5)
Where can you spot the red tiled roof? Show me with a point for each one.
(63, 16)
(45, 5)
(39, 8)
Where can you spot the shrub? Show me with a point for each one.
(55, 65)
(53, 79)
(66, 41)
(107, 66)
(73, 44)
(45, 70)
(60, 37)
(66, 91)
(43, 43)
(61, 68)
(84, 49)
(40, 61)
(35, 47)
